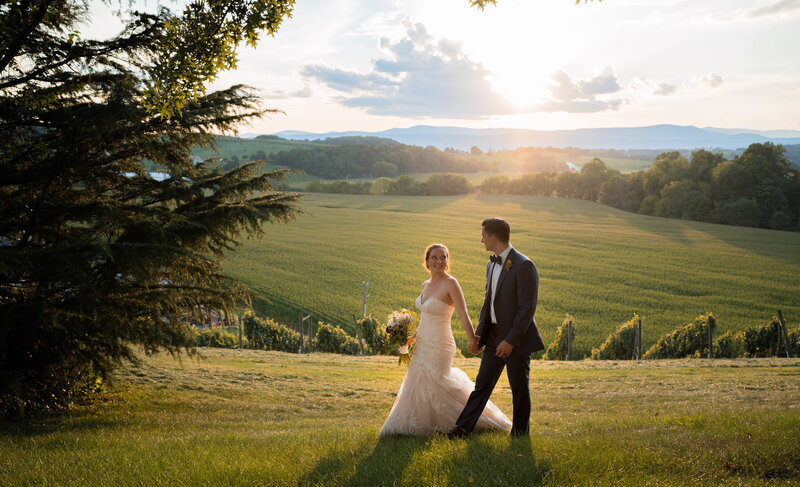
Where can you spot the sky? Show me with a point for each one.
(370, 65)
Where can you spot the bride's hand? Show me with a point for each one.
(411, 340)
(473, 347)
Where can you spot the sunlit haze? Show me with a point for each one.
(341, 65)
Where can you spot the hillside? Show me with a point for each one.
(599, 264)
(247, 417)
(659, 137)
(372, 149)
(245, 148)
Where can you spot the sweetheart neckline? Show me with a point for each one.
(422, 303)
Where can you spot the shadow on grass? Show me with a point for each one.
(481, 459)
(485, 461)
(384, 464)
(62, 422)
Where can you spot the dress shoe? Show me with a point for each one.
(457, 433)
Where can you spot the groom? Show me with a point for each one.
(506, 329)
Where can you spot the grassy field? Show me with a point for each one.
(599, 264)
(244, 148)
(268, 418)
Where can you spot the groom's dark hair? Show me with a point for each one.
(497, 227)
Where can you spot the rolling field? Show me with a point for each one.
(244, 148)
(596, 263)
(268, 418)
(509, 162)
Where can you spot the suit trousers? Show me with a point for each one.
(518, 369)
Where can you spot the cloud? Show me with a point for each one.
(605, 82)
(420, 77)
(581, 96)
(782, 7)
(711, 79)
(304, 92)
(665, 89)
(347, 81)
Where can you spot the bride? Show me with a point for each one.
(433, 393)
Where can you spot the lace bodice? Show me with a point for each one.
(434, 337)
(434, 306)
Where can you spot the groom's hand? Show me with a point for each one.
(504, 349)
(472, 346)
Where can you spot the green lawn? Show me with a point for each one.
(599, 264)
(269, 418)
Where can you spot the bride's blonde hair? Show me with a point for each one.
(428, 254)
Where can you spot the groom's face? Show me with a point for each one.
(489, 241)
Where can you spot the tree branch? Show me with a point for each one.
(23, 34)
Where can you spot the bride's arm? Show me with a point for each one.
(457, 295)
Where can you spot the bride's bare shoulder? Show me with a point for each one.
(451, 284)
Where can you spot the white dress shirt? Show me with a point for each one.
(495, 277)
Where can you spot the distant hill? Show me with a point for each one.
(650, 138)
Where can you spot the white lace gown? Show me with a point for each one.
(433, 393)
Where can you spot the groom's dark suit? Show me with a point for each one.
(515, 301)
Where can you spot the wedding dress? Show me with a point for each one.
(433, 393)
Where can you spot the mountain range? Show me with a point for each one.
(651, 137)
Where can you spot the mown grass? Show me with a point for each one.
(269, 418)
(599, 264)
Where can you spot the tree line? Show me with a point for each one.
(357, 161)
(436, 185)
(758, 188)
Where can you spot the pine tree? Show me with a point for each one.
(109, 232)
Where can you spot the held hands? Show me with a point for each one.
(504, 349)
(472, 346)
(411, 340)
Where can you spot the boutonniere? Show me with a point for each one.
(508, 265)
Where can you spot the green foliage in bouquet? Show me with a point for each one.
(266, 334)
(218, 338)
(690, 340)
(618, 345)
(400, 326)
(332, 339)
(374, 334)
(558, 349)
(765, 340)
(730, 345)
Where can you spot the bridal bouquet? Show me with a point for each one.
(399, 327)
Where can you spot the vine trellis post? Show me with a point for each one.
(569, 339)
(301, 320)
(784, 335)
(364, 285)
(637, 340)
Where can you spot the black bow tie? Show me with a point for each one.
(496, 259)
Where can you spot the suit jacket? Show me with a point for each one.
(514, 304)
